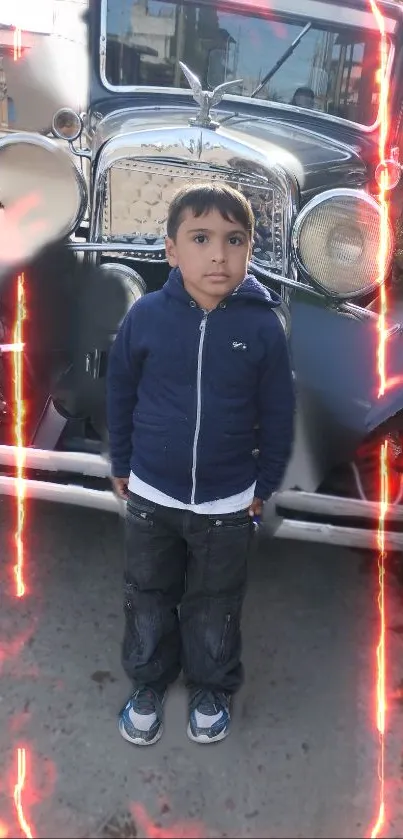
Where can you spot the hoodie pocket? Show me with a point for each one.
(149, 444)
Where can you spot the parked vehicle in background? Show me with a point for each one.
(283, 102)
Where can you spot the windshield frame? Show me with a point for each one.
(233, 98)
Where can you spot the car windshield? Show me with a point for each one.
(333, 68)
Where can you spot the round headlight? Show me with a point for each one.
(337, 240)
(133, 282)
(67, 125)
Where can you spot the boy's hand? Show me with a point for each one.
(121, 485)
(256, 508)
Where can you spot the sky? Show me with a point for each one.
(30, 15)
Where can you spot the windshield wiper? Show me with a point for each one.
(289, 51)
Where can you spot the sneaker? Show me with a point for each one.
(209, 717)
(140, 721)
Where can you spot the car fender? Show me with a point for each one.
(385, 408)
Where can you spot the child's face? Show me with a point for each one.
(212, 254)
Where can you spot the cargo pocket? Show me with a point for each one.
(227, 556)
(140, 511)
(133, 641)
(226, 638)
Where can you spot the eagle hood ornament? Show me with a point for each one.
(205, 98)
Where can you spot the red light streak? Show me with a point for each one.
(381, 705)
(190, 829)
(19, 412)
(17, 43)
(18, 790)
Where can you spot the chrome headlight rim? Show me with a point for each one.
(127, 273)
(312, 204)
(57, 131)
(67, 166)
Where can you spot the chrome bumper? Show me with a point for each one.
(307, 503)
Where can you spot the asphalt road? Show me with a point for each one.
(301, 760)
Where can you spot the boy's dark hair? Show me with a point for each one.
(201, 198)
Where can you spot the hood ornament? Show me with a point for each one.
(205, 98)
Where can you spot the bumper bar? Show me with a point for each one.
(97, 499)
(350, 537)
(92, 465)
(96, 466)
(330, 534)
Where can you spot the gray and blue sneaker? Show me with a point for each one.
(140, 721)
(209, 717)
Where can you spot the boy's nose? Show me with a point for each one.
(219, 255)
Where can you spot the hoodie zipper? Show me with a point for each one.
(202, 329)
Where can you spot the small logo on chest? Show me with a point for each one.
(239, 345)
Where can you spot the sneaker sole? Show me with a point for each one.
(204, 739)
(138, 741)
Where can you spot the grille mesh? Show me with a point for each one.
(137, 195)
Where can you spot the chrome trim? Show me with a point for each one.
(175, 153)
(206, 99)
(95, 499)
(82, 153)
(83, 192)
(332, 534)
(81, 463)
(238, 100)
(339, 192)
(396, 329)
(54, 148)
(103, 247)
(291, 284)
(70, 112)
(108, 502)
(134, 279)
(335, 505)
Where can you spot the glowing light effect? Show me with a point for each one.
(384, 215)
(19, 413)
(18, 790)
(11, 348)
(179, 830)
(17, 43)
(383, 455)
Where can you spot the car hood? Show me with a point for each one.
(315, 160)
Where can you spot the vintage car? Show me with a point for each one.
(282, 100)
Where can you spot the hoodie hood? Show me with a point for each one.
(250, 290)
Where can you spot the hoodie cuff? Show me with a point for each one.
(120, 470)
(262, 492)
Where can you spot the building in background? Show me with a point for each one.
(48, 70)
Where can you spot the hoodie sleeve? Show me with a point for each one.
(124, 371)
(276, 408)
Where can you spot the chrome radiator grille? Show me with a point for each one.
(136, 195)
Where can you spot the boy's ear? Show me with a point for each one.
(170, 250)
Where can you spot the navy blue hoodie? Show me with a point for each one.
(187, 389)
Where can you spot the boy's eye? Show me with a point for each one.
(200, 238)
(235, 240)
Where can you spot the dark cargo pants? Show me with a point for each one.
(184, 581)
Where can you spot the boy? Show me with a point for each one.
(195, 368)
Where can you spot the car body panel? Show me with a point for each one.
(135, 147)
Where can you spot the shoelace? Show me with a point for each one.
(208, 702)
(147, 701)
